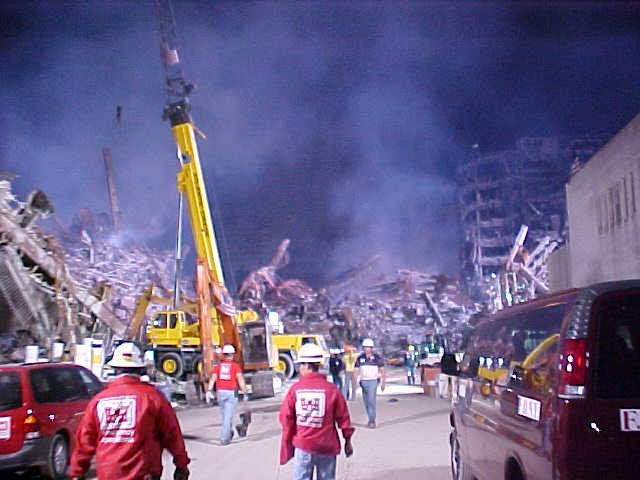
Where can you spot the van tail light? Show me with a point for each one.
(574, 360)
(31, 426)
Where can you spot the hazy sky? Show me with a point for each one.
(335, 124)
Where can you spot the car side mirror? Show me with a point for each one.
(449, 364)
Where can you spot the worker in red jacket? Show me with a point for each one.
(127, 425)
(309, 414)
(227, 376)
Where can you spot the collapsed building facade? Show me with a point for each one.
(501, 192)
(77, 283)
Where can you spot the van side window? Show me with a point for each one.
(536, 349)
(618, 361)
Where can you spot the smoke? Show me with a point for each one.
(336, 124)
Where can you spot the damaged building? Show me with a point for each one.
(501, 191)
(77, 283)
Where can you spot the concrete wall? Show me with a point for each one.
(603, 203)
(558, 265)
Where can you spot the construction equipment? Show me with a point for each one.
(181, 341)
(288, 346)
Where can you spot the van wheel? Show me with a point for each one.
(459, 469)
(171, 364)
(57, 458)
(285, 365)
(513, 470)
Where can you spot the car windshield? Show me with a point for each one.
(10, 391)
(618, 365)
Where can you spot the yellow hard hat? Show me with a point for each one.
(411, 347)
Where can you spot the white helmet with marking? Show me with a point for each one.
(367, 342)
(310, 353)
(127, 355)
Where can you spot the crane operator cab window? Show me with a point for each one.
(254, 344)
(165, 320)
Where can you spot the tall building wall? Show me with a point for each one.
(603, 200)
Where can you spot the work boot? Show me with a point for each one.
(227, 441)
(241, 429)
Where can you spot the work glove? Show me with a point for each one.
(209, 396)
(181, 473)
(348, 448)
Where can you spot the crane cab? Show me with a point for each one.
(174, 328)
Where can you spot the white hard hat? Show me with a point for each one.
(367, 342)
(228, 349)
(310, 353)
(127, 355)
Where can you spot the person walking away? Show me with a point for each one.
(410, 363)
(349, 359)
(309, 414)
(228, 377)
(127, 426)
(369, 370)
(336, 367)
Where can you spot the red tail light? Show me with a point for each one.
(574, 360)
(31, 426)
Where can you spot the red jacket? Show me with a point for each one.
(226, 375)
(127, 426)
(309, 414)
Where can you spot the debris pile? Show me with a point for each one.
(119, 273)
(362, 303)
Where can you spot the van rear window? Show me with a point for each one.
(10, 391)
(618, 361)
(497, 345)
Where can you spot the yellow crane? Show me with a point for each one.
(182, 343)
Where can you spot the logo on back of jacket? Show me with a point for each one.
(310, 408)
(225, 371)
(117, 417)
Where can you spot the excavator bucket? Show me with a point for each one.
(245, 420)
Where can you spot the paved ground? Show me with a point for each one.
(411, 440)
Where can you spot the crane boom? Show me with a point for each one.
(178, 111)
(249, 335)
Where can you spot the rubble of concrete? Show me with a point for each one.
(119, 272)
(363, 302)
